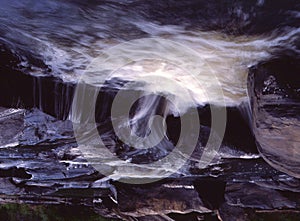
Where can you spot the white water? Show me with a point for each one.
(224, 62)
(68, 36)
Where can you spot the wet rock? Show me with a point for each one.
(247, 195)
(43, 128)
(39, 162)
(11, 126)
(47, 167)
(160, 198)
(19, 88)
(8, 188)
(274, 89)
(250, 201)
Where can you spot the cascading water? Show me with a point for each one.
(45, 41)
(47, 49)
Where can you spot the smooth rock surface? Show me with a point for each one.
(274, 90)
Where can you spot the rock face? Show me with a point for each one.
(40, 161)
(11, 125)
(45, 166)
(21, 90)
(274, 89)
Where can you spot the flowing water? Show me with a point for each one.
(68, 35)
(62, 38)
(143, 67)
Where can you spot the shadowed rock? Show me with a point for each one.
(274, 89)
(20, 89)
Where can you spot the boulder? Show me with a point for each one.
(274, 90)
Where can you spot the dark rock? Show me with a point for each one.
(211, 192)
(38, 162)
(256, 197)
(46, 166)
(274, 90)
(14, 172)
(234, 17)
(229, 213)
(12, 211)
(159, 198)
(193, 217)
(19, 89)
(249, 201)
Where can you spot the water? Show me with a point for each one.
(62, 38)
(52, 43)
(68, 35)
